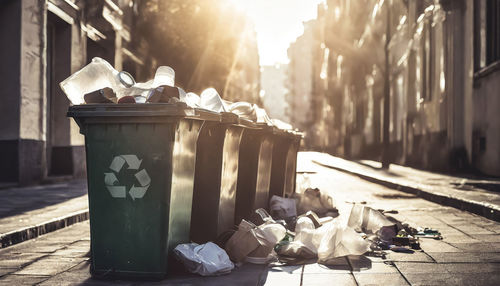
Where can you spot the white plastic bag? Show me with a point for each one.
(206, 259)
(253, 241)
(309, 236)
(268, 235)
(331, 240)
(339, 241)
(211, 100)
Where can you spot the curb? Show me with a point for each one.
(480, 208)
(30, 232)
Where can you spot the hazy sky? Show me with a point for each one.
(277, 23)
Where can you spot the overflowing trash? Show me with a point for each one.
(114, 98)
(206, 259)
(303, 227)
(98, 83)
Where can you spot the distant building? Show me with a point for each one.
(300, 78)
(444, 80)
(243, 80)
(43, 43)
(273, 79)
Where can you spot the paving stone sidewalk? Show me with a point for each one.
(469, 254)
(28, 212)
(477, 195)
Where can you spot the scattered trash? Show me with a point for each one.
(206, 259)
(260, 216)
(254, 241)
(327, 241)
(282, 208)
(316, 201)
(295, 249)
(367, 220)
(340, 241)
(428, 233)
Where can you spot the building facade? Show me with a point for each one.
(300, 78)
(45, 42)
(443, 76)
(273, 78)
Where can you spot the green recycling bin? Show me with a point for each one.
(254, 169)
(215, 179)
(284, 165)
(140, 172)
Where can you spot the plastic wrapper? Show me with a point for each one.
(206, 259)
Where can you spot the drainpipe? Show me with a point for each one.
(387, 92)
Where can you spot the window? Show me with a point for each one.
(486, 33)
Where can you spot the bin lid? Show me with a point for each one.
(247, 123)
(179, 109)
(223, 117)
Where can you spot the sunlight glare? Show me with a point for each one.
(277, 23)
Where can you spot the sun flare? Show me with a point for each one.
(277, 23)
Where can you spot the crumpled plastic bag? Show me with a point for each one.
(282, 208)
(370, 221)
(316, 201)
(340, 241)
(211, 100)
(254, 241)
(206, 259)
(329, 240)
(308, 235)
(249, 111)
(191, 99)
(244, 110)
(295, 249)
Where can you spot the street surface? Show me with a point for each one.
(469, 254)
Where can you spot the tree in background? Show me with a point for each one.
(207, 42)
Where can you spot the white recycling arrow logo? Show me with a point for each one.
(111, 181)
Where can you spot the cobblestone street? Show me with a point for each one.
(469, 254)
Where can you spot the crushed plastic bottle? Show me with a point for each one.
(164, 76)
(97, 75)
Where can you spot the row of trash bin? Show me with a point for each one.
(164, 174)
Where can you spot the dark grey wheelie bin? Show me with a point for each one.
(254, 169)
(140, 171)
(216, 176)
(284, 165)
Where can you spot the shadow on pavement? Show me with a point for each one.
(20, 200)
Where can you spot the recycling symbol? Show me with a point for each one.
(112, 183)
